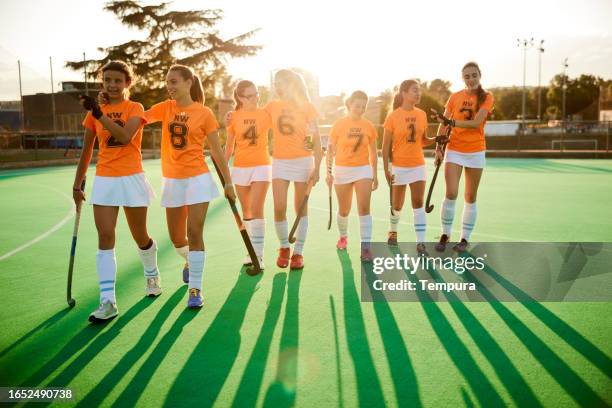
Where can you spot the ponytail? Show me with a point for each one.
(196, 91)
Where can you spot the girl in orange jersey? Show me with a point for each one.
(352, 141)
(294, 122)
(251, 171)
(187, 186)
(119, 181)
(466, 111)
(404, 137)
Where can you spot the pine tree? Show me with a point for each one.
(173, 37)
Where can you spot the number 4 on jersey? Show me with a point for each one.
(111, 141)
(251, 135)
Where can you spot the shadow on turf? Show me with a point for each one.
(567, 378)
(508, 374)
(369, 390)
(96, 396)
(456, 349)
(203, 375)
(403, 374)
(91, 349)
(44, 325)
(250, 383)
(282, 392)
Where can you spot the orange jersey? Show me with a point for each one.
(352, 139)
(462, 106)
(114, 158)
(251, 137)
(408, 129)
(184, 130)
(290, 128)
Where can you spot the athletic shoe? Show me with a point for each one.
(153, 287)
(441, 245)
(247, 260)
(195, 299)
(392, 238)
(106, 311)
(422, 249)
(283, 257)
(342, 242)
(186, 273)
(461, 246)
(366, 254)
(297, 261)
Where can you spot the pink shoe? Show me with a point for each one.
(366, 254)
(342, 242)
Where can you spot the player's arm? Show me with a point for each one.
(386, 152)
(473, 123)
(217, 155)
(87, 151)
(229, 145)
(122, 134)
(316, 148)
(330, 153)
(374, 163)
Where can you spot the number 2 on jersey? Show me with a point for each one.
(111, 141)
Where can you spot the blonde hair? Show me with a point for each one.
(297, 93)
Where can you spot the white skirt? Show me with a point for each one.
(408, 175)
(187, 191)
(244, 176)
(123, 191)
(474, 160)
(293, 169)
(350, 174)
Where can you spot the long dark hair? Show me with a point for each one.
(238, 91)
(481, 94)
(398, 99)
(196, 91)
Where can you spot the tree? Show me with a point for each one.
(439, 89)
(581, 95)
(181, 37)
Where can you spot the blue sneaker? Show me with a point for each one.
(195, 299)
(186, 274)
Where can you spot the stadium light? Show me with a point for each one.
(540, 52)
(525, 43)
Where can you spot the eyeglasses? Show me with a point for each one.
(256, 94)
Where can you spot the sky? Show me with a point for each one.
(367, 45)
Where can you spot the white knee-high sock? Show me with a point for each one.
(106, 266)
(469, 220)
(447, 214)
(420, 223)
(257, 231)
(300, 235)
(183, 252)
(365, 228)
(282, 232)
(394, 220)
(149, 260)
(196, 268)
(342, 225)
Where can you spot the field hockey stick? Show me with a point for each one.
(429, 207)
(303, 205)
(77, 219)
(256, 269)
(389, 182)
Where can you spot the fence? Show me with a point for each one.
(558, 137)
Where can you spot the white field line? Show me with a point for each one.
(50, 231)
